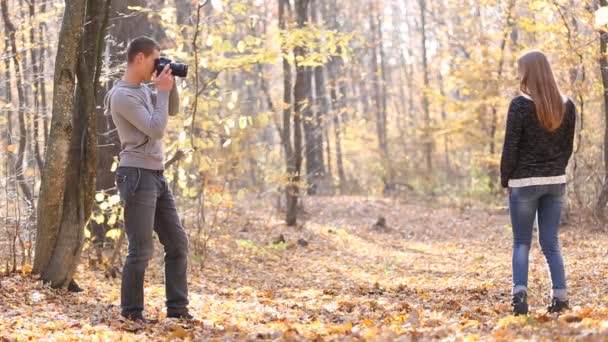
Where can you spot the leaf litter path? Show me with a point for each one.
(434, 273)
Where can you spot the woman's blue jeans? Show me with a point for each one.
(524, 203)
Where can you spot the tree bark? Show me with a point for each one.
(34, 61)
(64, 209)
(42, 79)
(337, 94)
(603, 197)
(379, 82)
(16, 56)
(494, 118)
(428, 144)
(293, 157)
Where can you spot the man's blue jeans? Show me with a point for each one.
(149, 206)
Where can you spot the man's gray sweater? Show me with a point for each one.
(140, 116)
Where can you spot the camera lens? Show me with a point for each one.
(179, 69)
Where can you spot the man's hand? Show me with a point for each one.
(164, 81)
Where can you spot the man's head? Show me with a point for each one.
(141, 54)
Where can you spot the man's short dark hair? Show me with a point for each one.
(145, 45)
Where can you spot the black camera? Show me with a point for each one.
(177, 69)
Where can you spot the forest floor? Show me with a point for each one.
(434, 272)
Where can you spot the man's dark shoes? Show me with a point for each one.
(520, 303)
(557, 306)
(180, 315)
(136, 317)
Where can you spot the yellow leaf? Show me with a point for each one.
(112, 220)
(99, 197)
(114, 199)
(99, 218)
(241, 46)
(262, 120)
(243, 122)
(27, 269)
(179, 333)
(113, 234)
(11, 148)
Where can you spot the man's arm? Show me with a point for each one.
(134, 111)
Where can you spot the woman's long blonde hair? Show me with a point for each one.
(538, 82)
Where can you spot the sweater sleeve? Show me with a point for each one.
(510, 149)
(136, 112)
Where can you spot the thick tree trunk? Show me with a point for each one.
(64, 209)
(603, 197)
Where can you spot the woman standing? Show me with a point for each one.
(538, 144)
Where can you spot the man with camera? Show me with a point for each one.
(141, 119)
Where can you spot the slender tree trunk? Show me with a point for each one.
(42, 29)
(337, 93)
(12, 41)
(425, 99)
(444, 116)
(304, 102)
(36, 71)
(321, 106)
(494, 118)
(379, 81)
(302, 89)
(292, 152)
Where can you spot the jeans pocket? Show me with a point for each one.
(557, 189)
(524, 192)
(127, 182)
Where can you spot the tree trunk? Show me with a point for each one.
(64, 209)
(322, 108)
(292, 158)
(379, 82)
(18, 165)
(303, 97)
(603, 197)
(338, 95)
(503, 43)
(42, 79)
(425, 100)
